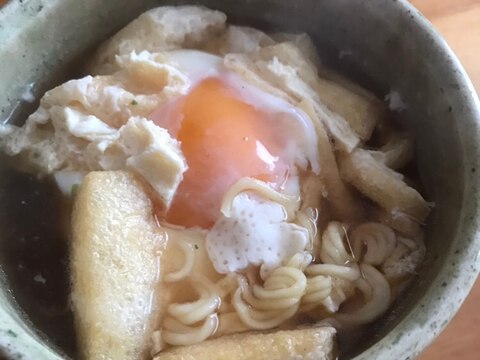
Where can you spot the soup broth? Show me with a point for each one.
(34, 223)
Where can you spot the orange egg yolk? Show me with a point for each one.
(223, 139)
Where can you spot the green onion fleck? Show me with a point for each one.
(196, 247)
(11, 333)
(134, 102)
(74, 189)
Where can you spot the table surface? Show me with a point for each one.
(459, 23)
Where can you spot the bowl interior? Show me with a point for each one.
(384, 45)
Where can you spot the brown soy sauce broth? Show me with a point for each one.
(34, 240)
(34, 219)
(34, 232)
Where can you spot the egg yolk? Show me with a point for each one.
(223, 139)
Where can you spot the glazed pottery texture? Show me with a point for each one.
(384, 44)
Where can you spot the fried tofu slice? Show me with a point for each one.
(286, 78)
(307, 344)
(340, 198)
(362, 111)
(245, 68)
(115, 251)
(400, 222)
(159, 29)
(304, 43)
(383, 185)
(240, 40)
(397, 152)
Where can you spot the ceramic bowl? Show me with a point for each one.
(386, 45)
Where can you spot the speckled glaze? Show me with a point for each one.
(386, 45)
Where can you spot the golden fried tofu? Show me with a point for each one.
(115, 252)
(362, 111)
(306, 344)
(159, 29)
(383, 185)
